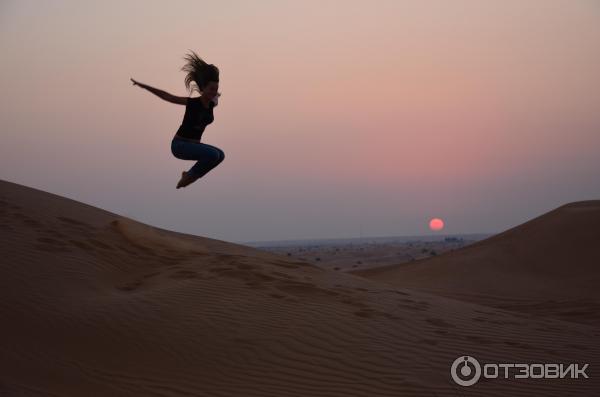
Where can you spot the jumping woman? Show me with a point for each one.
(198, 114)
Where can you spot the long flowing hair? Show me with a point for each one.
(199, 73)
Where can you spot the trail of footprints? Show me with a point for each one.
(284, 286)
(77, 236)
(49, 238)
(280, 285)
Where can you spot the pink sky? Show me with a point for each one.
(336, 116)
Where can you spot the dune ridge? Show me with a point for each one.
(547, 266)
(95, 304)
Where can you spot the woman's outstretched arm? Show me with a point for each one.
(162, 94)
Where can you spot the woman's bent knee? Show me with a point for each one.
(220, 155)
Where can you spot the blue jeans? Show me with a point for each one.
(208, 156)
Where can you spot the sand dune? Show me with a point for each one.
(549, 265)
(95, 304)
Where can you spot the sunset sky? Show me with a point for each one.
(337, 118)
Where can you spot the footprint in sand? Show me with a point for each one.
(27, 220)
(51, 245)
(287, 276)
(80, 244)
(369, 313)
(74, 222)
(438, 322)
(184, 274)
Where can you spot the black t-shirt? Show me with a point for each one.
(196, 118)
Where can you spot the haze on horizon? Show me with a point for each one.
(337, 118)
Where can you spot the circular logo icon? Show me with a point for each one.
(465, 371)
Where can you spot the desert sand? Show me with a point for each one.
(95, 304)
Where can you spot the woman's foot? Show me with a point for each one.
(185, 180)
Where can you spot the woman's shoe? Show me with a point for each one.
(185, 180)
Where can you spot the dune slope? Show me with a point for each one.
(549, 265)
(95, 304)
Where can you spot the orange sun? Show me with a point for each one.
(436, 224)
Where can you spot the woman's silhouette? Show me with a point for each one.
(198, 114)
